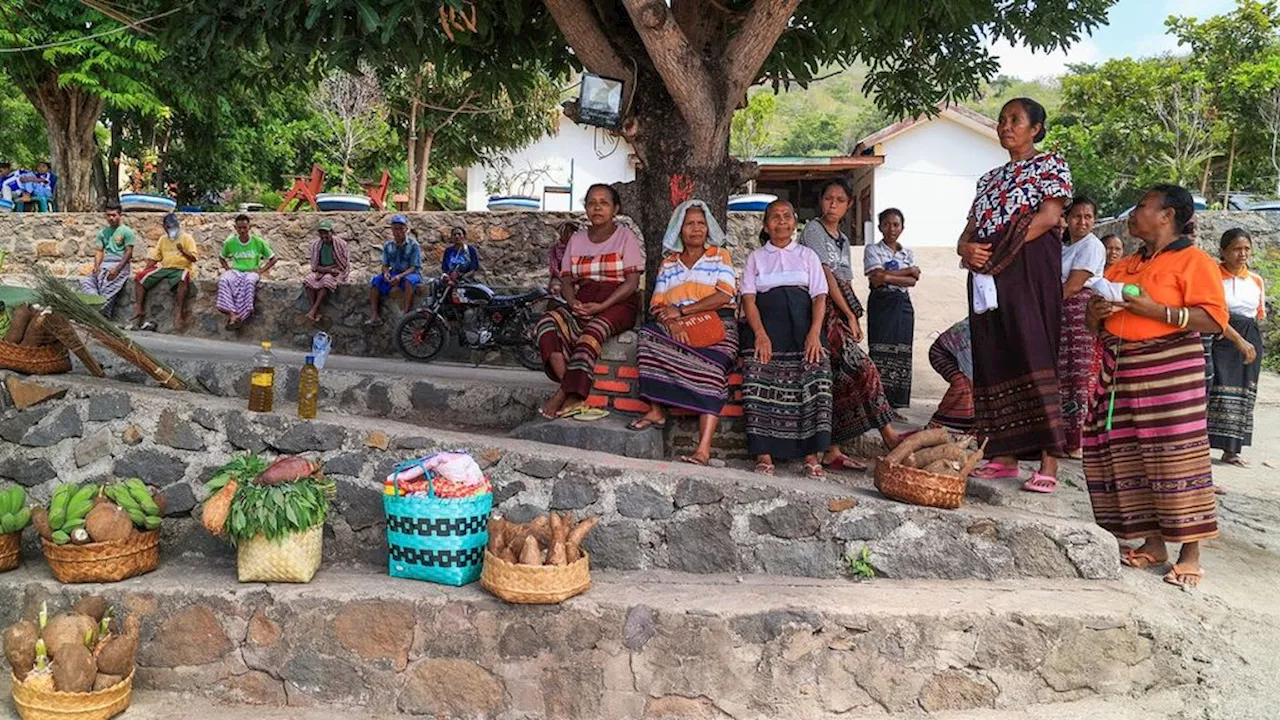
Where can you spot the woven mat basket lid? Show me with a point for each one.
(535, 585)
(104, 561)
(35, 704)
(10, 550)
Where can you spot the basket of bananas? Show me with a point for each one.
(14, 516)
(101, 533)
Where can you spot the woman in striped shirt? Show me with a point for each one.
(685, 353)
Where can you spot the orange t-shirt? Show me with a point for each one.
(1180, 275)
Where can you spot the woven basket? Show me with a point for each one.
(436, 539)
(10, 550)
(917, 487)
(104, 561)
(292, 559)
(534, 585)
(35, 704)
(41, 360)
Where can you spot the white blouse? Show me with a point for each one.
(1245, 295)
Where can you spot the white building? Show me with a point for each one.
(558, 169)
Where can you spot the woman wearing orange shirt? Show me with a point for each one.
(1146, 447)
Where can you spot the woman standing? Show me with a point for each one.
(599, 277)
(1237, 353)
(1083, 261)
(1146, 450)
(685, 353)
(860, 404)
(891, 320)
(1014, 250)
(786, 386)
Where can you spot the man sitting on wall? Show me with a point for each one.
(401, 268)
(113, 253)
(172, 260)
(244, 257)
(330, 263)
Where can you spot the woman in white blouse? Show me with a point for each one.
(1084, 257)
(1236, 354)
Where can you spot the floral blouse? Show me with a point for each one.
(1017, 187)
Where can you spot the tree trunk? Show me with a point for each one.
(113, 161)
(1231, 160)
(422, 160)
(70, 116)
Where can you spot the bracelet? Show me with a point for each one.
(1184, 317)
(1168, 315)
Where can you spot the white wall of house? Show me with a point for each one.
(580, 143)
(930, 172)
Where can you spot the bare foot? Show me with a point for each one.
(1231, 458)
(553, 405)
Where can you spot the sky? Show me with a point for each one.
(1134, 28)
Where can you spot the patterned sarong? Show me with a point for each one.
(686, 377)
(1234, 388)
(579, 339)
(236, 293)
(952, 358)
(891, 325)
(858, 397)
(100, 284)
(1149, 474)
(1077, 367)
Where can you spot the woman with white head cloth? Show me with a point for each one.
(685, 352)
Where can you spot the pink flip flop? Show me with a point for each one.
(1041, 483)
(994, 470)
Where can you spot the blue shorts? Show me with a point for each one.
(412, 280)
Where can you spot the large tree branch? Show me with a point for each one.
(577, 21)
(749, 48)
(682, 70)
(700, 21)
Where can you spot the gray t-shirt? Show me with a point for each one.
(832, 251)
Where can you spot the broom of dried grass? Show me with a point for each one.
(55, 295)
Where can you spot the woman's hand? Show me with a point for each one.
(764, 349)
(813, 350)
(1146, 307)
(855, 327)
(587, 309)
(678, 333)
(974, 255)
(667, 313)
(1097, 312)
(1247, 349)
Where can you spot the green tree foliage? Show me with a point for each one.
(751, 134)
(23, 141)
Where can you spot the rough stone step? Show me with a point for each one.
(655, 515)
(644, 644)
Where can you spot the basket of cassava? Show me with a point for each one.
(538, 563)
(14, 517)
(101, 533)
(928, 468)
(29, 348)
(76, 665)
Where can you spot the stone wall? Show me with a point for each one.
(1263, 227)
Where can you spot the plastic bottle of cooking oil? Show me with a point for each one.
(262, 381)
(308, 388)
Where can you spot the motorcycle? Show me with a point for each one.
(480, 318)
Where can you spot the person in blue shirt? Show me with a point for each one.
(401, 268)
(459, 258)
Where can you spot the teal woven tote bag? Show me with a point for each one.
(439, 540)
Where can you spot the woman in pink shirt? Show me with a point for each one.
(786, 387)
(599, 276)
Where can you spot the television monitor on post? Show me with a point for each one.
(600, 101)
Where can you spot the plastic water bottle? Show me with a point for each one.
(262, 380)
(308, 388)
(320, 345)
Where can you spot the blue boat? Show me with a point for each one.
(6, 205)
(513, 202)
(756, 202)
(142, 202)
(334, 202)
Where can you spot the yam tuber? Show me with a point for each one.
(572, 554)
(509, 556)
(559, 529)
(18, 326)
(40, 521)
(102, 681)
(94, 606)
(36, 334)
(116, 655)
(20, 647)
(946, 451)
(557, 555)
(66, 629)
(540, 528)
(918, 441)
(531, 554)
(579, 532)
(74, 669)
(943, 467)
(497, 535)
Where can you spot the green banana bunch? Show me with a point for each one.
(13, 516)
(135, 499)
(68, 508)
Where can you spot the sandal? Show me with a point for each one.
(764, 468)
(590, 414)
(571, 411)
(645, 424)
(1041, 483)
(1139, 559)
(148, 326)
(814, 470)
(1237, 461)
(1176, 575)
(844, 462)
(994, 470)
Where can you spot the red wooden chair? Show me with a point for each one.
(377, 192)
(304, 188)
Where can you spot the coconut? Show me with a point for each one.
(75, 669)
(66, 629)
(20, 647)
(108, 522)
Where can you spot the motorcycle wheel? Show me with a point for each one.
(421, 336)
(527, 353)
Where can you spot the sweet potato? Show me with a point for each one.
(540, 528)
(531, 554)
(572, 554)
(509, 556)
(579, 533)
(943, 467)
(66, 629)
(287, 470)
(559, 529)
(102, 681)
(20, 647)
(946, 451)
(75, 669)
(922, 439)
(36, 334)
(108, 522)
(497, 535)
(94, 606)
(558, 555)
(19, 320)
